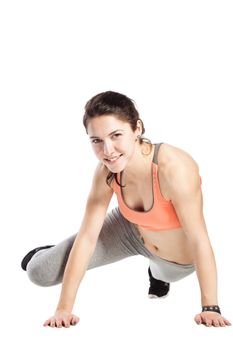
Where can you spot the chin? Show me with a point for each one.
(114, 171)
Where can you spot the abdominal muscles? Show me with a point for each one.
(171, 245)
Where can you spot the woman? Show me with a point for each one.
(160, 216)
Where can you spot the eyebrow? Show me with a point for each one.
(94, 137)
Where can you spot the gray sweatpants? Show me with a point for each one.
(118, 239)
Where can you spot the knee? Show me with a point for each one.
(39, 275)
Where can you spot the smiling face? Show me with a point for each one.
(113, 141)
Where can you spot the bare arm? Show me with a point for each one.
(189, 207)
(76, 267)
(84, 244)
(185, 192)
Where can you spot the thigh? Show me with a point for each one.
(117, 240)
(168, 271)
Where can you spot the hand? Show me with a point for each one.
(210, 318)
(62, 318)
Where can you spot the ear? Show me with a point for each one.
(139, 128)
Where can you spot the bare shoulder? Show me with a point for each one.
(170, 156)
(174, 163)
(100, 191)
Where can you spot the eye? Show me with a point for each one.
(117, 134)
(95, 140)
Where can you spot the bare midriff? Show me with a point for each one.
(170, 245)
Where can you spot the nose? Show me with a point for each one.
(108, 149)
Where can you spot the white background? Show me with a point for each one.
(174, 58)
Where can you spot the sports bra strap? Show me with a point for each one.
(157, 146)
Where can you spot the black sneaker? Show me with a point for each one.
(158, 289)
(29, 255)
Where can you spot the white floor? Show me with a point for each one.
(114, 312)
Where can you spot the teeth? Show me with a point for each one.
(113, 159)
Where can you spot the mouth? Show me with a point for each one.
(113, 160)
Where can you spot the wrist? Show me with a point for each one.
(212, 308)
(63, 307)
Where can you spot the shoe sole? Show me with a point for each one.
(153, 296)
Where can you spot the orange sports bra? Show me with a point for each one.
(161, 216)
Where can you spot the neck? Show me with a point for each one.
(139, 165)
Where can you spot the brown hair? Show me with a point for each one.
(110, 102)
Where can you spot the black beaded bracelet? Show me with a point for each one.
(214, 308)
